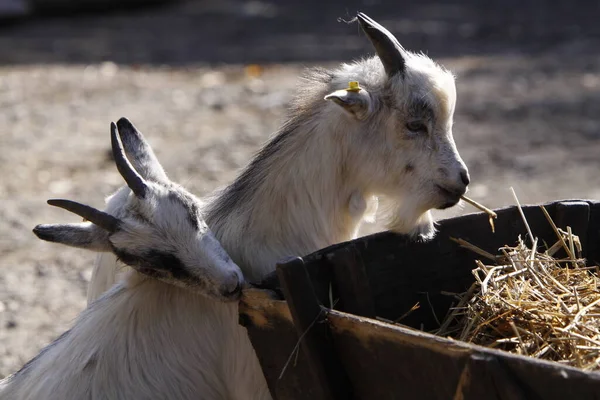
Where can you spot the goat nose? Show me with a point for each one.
(464, 176)
(232, 293)
(233, 288)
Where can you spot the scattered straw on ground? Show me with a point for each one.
(531, 303)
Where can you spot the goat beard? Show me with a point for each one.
(404, 217)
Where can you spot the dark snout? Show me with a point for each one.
(452, 190)
(232, 288)
(464, 176)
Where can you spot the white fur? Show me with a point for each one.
(168, 336)
(147, 348)
(309, 188)
(316, 188)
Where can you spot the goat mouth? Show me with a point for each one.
(451, 197)
(233, 295)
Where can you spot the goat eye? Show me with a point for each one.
(416, 127)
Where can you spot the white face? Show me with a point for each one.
(155, 225)
(399, 128)
(400, 134)
(165, 236)
(427, 162)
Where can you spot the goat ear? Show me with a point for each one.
(356, 103)
(139, 153)
(82, 235)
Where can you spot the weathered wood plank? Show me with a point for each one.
(402, 272)
(483, 377)
(314, 336)
(384, 365)
(576, 215)
(387, 361)
(352, 282)
(271, 330)
(593, 241)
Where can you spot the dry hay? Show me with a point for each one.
(530, 303)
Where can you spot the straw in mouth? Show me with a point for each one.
(483, 208)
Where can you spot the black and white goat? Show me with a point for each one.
(323, 173)
(163, 331)
(309, 187)
(330, 164)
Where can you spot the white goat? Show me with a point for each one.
(308, 188)
(157, 334)
(313, 183)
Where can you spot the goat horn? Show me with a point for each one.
(135, 182)
(100, 218)
(389, 50)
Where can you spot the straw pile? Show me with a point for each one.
(530, 303)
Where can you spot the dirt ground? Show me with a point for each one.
(528, 114)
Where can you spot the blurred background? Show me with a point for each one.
(208, 81)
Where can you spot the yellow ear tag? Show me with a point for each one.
(353, 86)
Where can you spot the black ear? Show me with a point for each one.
(139, 152)
(389, 50)
(82, 235)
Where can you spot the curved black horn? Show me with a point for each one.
(135, 182)
(388, 48)
(100, 218)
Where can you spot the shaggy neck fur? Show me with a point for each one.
(132, 344)
(297, 196)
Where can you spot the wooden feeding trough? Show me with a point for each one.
(317, 323)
